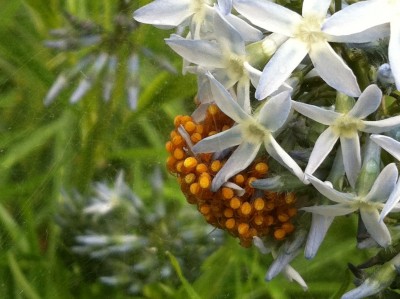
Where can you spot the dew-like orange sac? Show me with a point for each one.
(213, 109)
(204, 209)
(177, 120)
(290, 198)
(243, 228)
(235, 203)
(245, 209)
(185, 119)
(239, 179)
(279, 234)
(179, 154)
(190, 178)
(227, 193)
(212, 133)
(194, 188)
(205, 180)
(259, 204)
(171, 161)
(201, 167)
(195, 137)
(282, 217)
(215, 165)
(261, 168)
(179, 166)
(230, 223)
(288, 227)
(190, 127)
(292, 212)
(169, 146)
(269, 206)
(225, 127)
(228, 213)
(258, 220)
(190, 163)
(199, 129)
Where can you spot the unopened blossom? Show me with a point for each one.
(226, 58)
(305, 36)
(379, 197)
(249, 133)
(365, 15)
(346, 127)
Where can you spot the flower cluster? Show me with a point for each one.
(319, 77)
(115, 236)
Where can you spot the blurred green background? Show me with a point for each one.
(45, 149)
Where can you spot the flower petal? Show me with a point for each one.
(377, 229)
(201, 52)
(220, 141)
(322, 148)
(384, 184)
(225, 101)
(280, 66)
(321, 115)
(243, 94)
(291, 274)
(380, 126)
(329, 192)
(246, 31)
(367, 103)
(315, 8)
(319, 227)
(391, 203)
(164, 12)
(229, 39)
(253, 74)
(275, 111)
(225, 6)
(331, 67)
(357, 17)
(279, 154)
(368, 35)
(239, 160)
(351, 157)
(394, 50)
(269, 15)
(388, 144)
(331, 210)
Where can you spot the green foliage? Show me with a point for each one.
(45, 149)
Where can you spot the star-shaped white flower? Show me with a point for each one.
(364, 15)
(249, 133)
(226, 58)
(381, 192)
(346, 127)
(306, 36)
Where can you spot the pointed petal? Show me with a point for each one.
(368, 35)
(315, 8)
(367, 103)
(384, 184)
(239, 160)
(279, 154)
(322, 148)
(229, 39)
(275, 111)
(164, 12)
(377, 229)
(330, 210)
(388, 144)
(380, 126)
(365, 290)
(357, 17)
(351, 157)
(319, 227)
(243, 94)
(331, 67)
(225, 6)
(246, 31)
(220, 141)
(291, 274)
(329, 192)
(253, 74)
(225, 101)
(394, 50)
(269, 15)
(280, 66)
(321, 115)
(260, 245)
(201, 52)
(391, 203)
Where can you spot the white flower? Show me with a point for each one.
(172, 13)
(367, 14)
(346, 127)
(249, 133)
(226, 58)
(389, 144)
(306, 36)
(369, 204)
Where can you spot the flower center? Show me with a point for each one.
(253, 132)
(309, 30)
(235, 65)
(346, 126)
